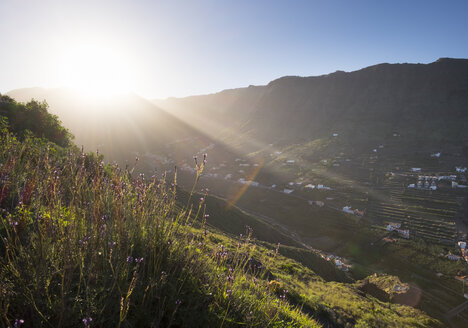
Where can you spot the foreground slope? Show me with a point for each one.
(86, 243)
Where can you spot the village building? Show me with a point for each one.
(453, 257)
(322, 187)
(288, 191)
(393, 226)
(358, 212)
(347, 209)
(404, 233)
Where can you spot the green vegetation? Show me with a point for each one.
(85, 243)
(33, 118)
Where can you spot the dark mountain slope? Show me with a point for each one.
(384, 98)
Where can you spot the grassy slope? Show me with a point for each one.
(81, 239)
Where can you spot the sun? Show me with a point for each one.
(96, 70)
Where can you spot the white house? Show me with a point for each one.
(411, 185)
(290, 161)
(322, 187)
(288, 191)
(310, 186)
(435, 154)
(393, 226)
(460, 169)
(347, 209)
(335, 134)
(416, 169)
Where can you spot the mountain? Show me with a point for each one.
(418, 100)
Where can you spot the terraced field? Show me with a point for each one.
(427, 214)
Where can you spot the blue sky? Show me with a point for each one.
(179, 48)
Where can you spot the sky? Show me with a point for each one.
(177, 48)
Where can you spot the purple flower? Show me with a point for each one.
(87, 321)
(129, 259)
(178, 302)
(18, 323)
(139, 260)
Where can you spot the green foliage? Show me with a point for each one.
(81, 239)
(34, 118)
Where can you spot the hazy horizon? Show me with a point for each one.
(161, 50)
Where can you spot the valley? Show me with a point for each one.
(341, 169)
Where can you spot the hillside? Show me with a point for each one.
(373, 102)
(388, 141)
(121, 127)
(107, 248)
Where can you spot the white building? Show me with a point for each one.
(393, 226)
(347, 209)
(453, 257)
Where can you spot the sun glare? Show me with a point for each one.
(95, 70)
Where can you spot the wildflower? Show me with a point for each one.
(112, 243)
(277, 248)
(139, 260)
(87, 321)
(18, 323)
(129, 259)
(178, 302)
